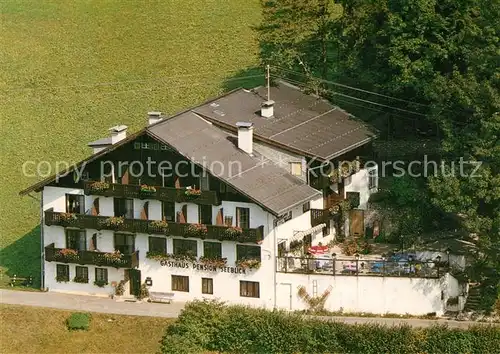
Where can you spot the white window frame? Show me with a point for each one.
(372, 174)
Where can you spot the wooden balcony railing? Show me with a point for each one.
(101, 259)
(159, 193)
(319, 216)
(216, 232)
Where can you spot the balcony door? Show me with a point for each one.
(75, 203)
(124, 207)
(76, 240)
(125, 243)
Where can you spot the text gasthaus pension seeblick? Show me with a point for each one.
(202, 267)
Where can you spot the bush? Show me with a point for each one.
(78, 320)
(212, 326)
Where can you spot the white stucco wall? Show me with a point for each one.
(378, 295)
(358, 182)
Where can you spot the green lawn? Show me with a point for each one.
(42, 330)
(72, 69)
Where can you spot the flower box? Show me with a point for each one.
(191, 192)
(66, 255)
(158, 256)
(114, 222)
(80, 280)
(214, 262)
(147, 190)
(67, 219)
(98, 186)
(158, 226)
(248, 263)
(196, 230)
(100, 283)
(233, 231)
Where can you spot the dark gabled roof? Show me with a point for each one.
(206, 145)
(302, 123)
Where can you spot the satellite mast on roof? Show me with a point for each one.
(268, 77)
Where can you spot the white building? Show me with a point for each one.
(224, 189)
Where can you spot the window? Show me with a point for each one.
(249, 289)
(168, 211)
(158, 245)
(228, 220)
(326, 229)
(207, 286)
(101, 275)
(62, 272)
(296, 168)
(75, 204)
(205, 213)
(124, 207)
(243, 218)
(180, 283)
(353, 198)
(306, 207)
(204, 183)
(247, 252)
(185, 247)
(124, 243)
(76, 240)
(372, 178)
(82, 275)
(212, 249)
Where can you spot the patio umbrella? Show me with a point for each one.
(318, 250)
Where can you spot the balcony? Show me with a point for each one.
(169, 194)
(100, 259)
(319, 216)
(216, 232)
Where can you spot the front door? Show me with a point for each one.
(135, 281)
(357, 223)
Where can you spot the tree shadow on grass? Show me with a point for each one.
(247, 78)
(22, 258)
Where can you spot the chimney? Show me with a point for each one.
(154, 117)
(245, 136)
(118, 132)
(267, 109)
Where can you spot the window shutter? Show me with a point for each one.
(220, 217)
(145, 211)
(93, 242)
(177, 182)
(184, 214)
(125, 176)
(95, 207)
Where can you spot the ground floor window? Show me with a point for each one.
(212, 249)
(82, 275)
(158, 245)
(180, 283)
(249, 289)
(247, 252)
(101, 276)
(207, 286)
(62, 272)
(185, 247)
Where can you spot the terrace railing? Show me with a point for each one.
(319, 216)
(361, 267)
(222, 233)
(179, 195)
(101, 259)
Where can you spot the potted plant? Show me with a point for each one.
(98, 186)
(248, 263)
(67, 254)
(213, 261)
(77, 279)
(147, 190)
(187, 256)
(196, 230)
(100, 283)
(160, 226)
(334, 210)
(158, 256)
(113, 222)
(192, 192)
(120, 288)
(66, 219)
(62, 278)
(233, 231)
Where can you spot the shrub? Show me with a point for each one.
(211, 326)
(78, 320)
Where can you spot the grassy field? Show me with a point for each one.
(41, 330)
(72, 69)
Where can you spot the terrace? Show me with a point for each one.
(216, 232)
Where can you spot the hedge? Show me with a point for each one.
(212, 326)
(78, 320)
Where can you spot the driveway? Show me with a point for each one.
(105, 305)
